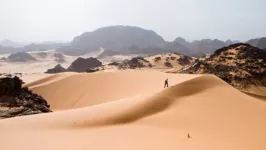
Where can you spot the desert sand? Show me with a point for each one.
(131, 110)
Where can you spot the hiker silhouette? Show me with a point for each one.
(166, 83)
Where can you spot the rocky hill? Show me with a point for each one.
(57, 69)
(83, 64)
(20, 57)
(240, 65)
(161, 61)
(18, 101)
(170, 60)
(134, 63)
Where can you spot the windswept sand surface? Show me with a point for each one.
(130, 110)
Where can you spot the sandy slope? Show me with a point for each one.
(90, 89)
(215, 115)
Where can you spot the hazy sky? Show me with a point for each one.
(49, 20)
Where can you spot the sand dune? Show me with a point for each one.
(135, 112)
(81, 90)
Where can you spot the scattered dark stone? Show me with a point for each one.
(92, 70)
(156, 59)
(114, 63)
(172, 58)
(134, 63)
(143, 59)
(168, 64)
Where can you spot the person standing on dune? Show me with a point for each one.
(166, 83)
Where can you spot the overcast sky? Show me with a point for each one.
(49, 20)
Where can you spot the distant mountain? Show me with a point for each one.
(20, 57)
(259, 42)
(118, 38)
(32, 47)
(183, 42)
(177, 47)
(199, 48)
(8, 50)
(229, 42)
(128, 39)
(9, 43)
(43, 46)
(207, 46)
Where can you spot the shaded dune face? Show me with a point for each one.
(132, 110)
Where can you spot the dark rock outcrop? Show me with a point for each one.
(240, 65)
(21, 57)
(57, 69)
(19, 101)
(82, 64)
